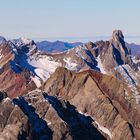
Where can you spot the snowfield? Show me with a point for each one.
(44, 67)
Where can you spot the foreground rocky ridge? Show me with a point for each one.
(88, 92)
(86, 105)
(100, 96)
(56, 120)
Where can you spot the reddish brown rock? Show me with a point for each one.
(100, 96)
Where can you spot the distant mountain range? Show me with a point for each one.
(57, 46)
(135, 49)
(60, 46)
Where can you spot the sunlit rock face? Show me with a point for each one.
(102, 97)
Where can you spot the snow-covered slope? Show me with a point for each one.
(131, 78)
(42, 65)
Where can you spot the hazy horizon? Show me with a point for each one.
(128, 39)
(87, 39)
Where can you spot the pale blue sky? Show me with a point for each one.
(68, 18)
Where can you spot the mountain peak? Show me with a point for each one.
(120, 50)
(117, 35)
(2, 40)
(27, 41)
(22, 42)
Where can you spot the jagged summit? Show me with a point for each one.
(2, 40)
(23, 41)
(120, 49)
(26, 41)
(117, 35)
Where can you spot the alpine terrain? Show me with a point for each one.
(88, 91)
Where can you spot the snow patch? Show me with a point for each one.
(126, 93)
(26, 40)
(44, 75)
(100, 66)
(69, 64)
(49, 123)
(79, 50)
(104, 129)
(46, 63)
(37, 81)
(6, 99)
(1, 55)
(32, 48)
(13, 47)
(129, 76)
(44, 67)
(135, 60)
(85, 114)
(100, 127)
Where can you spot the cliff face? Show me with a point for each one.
(14, 79)
(15, 84)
